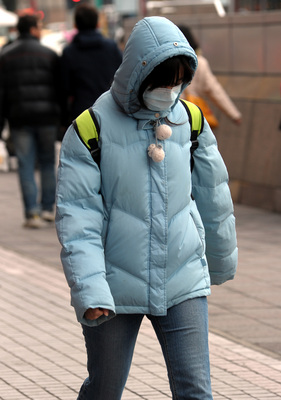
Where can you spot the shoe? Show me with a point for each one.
(33, 222)
(48, 216)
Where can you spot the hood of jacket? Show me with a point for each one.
(152, 41)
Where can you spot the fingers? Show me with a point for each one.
(238, 121)
(106, 312)
(94, 313)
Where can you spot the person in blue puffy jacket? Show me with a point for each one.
(135, 242)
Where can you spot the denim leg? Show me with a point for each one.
(46, 137)
(25, 149)
(110, 348)
(183, 335)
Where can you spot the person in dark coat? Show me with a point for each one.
(29, 101)
(88, 63)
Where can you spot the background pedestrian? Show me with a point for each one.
(205, 87)
(88, 63)
(29, 101)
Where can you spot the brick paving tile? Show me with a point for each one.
(42, 353)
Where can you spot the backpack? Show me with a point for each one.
(88, 129)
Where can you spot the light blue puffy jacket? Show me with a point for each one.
(133, 240)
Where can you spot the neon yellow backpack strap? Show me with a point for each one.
(196, 118)
(88, 129)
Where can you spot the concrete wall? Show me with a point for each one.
(244, 51)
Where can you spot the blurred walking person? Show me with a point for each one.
(88, 63)
(205, 86)
(29, 101)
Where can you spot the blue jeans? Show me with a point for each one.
(36, 145)
(183, 336)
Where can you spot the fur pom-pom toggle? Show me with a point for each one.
(156, 152)
(163, 132)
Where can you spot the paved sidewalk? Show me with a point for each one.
(42, 353)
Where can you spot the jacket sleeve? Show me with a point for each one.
(79, 224)
(213, 199)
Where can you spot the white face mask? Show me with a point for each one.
(160, 99)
